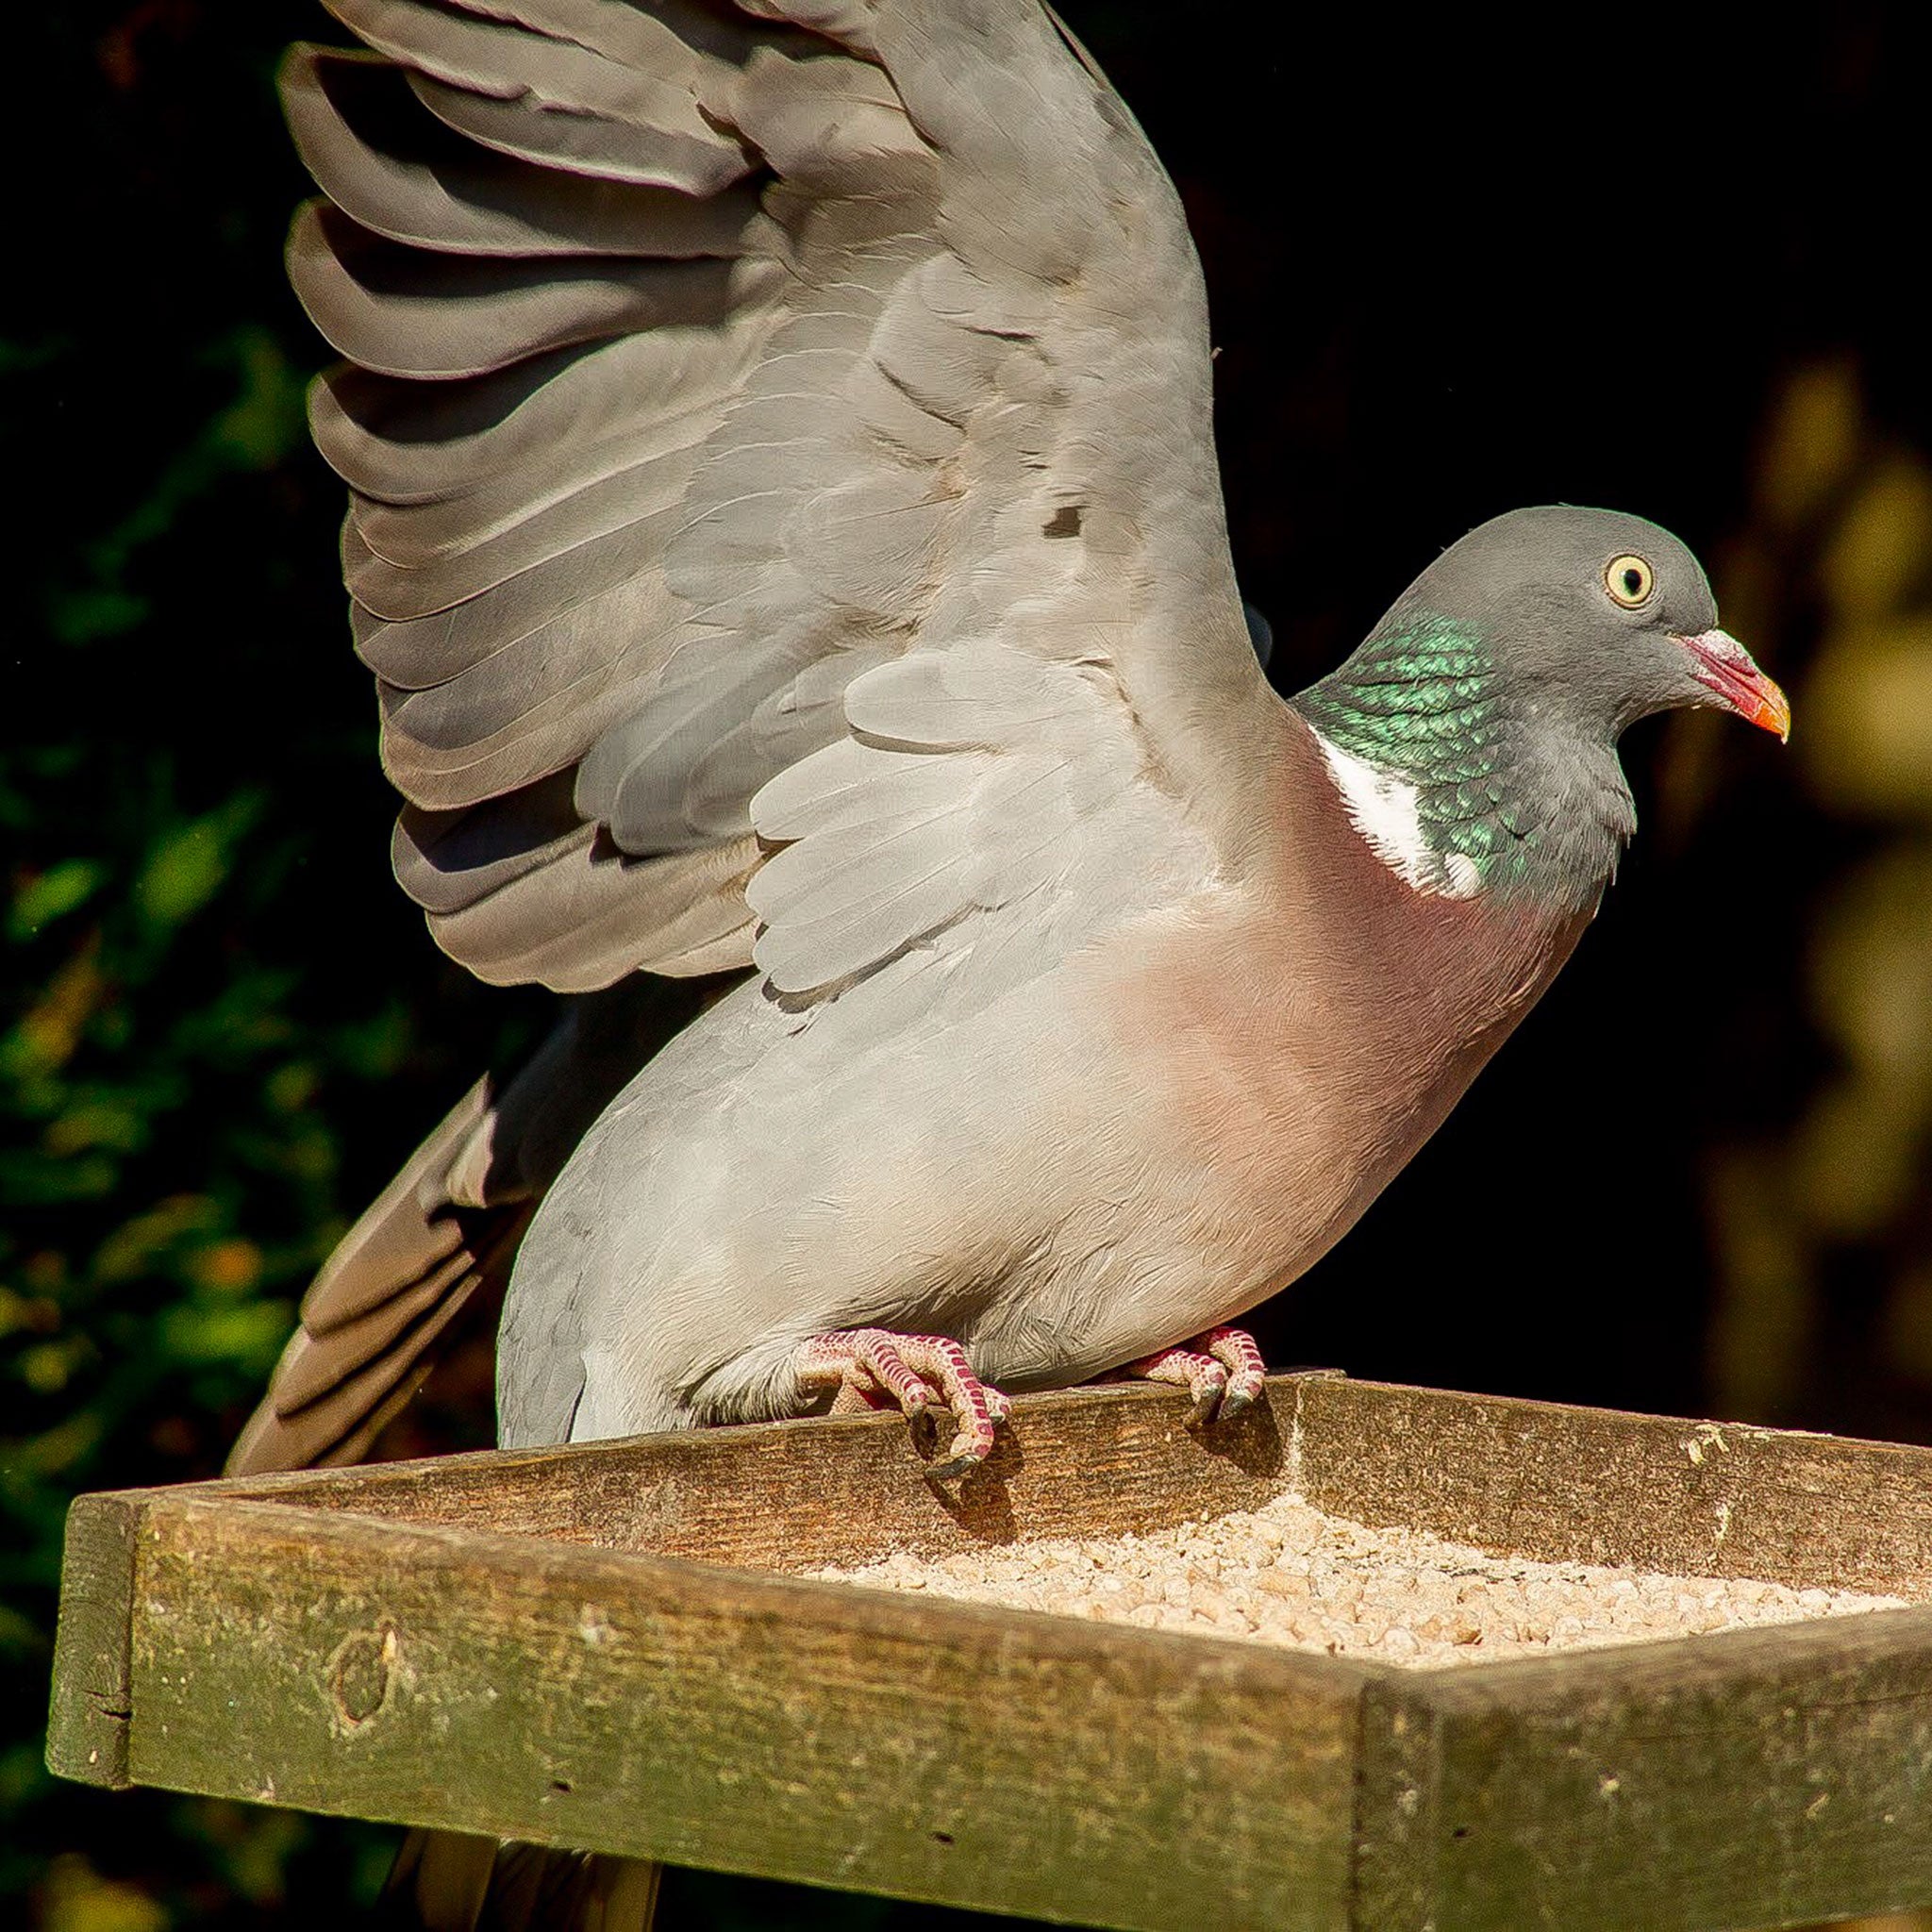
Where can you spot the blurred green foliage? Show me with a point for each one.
(169, 1175)
(201, 1008)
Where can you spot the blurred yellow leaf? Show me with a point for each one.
(1872, 969)
(101, 1121)
(1763, 1316)
(247, 1334)
(182, 872)
(1812, 442)
(290, 1088)
(51, 894)
(55, 1449)
(78, 1899)
(50, 1029)
(133, 1247)
(1867, 707)
(229, 1266)
(1907, 1325)
(19, 1315)
(1853, 1158)
(46, 1367)
(1877, 557)
(186, 865)
(265, 420)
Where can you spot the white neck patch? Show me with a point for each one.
(1382, 806)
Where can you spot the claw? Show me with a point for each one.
(1247, 1374)
(1209, 1386)
(1221, 1369)
(874, 1369)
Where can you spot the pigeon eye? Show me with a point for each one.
(1629, 580)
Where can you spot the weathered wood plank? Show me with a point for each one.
(646, 1705)
(778, 1495)
(87, 1724)
(1596, 1486)
(1760, 1778)
(1397, 1807)
(1540, 1479)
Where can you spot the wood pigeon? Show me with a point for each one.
(785, 533)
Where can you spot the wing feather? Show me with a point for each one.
(543, 738)
(391, 310)
(420, 442)
(646, 502)
(973, 779)
(630, 108)
(419, 653)
(749, 399)
(378, 157)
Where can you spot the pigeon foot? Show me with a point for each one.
(1221, 1369)
(873, 1369)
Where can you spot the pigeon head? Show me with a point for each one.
(1596, 618)
(1473, 735)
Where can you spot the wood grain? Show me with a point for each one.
(651, 1706)
(88, 1725)
(1584, 1485)
(782, 1495)
(1757, 1778)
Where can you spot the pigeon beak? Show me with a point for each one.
(1723, 666)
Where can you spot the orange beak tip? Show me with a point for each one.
(1726, 670)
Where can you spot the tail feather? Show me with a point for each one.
(445, 1882)
(335, 1389)
(407, 1269)
(438, 1242)
(334, 1356)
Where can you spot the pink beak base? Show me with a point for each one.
(1725, 667)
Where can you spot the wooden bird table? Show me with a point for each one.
(596, 1647)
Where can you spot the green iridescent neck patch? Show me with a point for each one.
(1419, 702)
(1423, 705)
(1454, 784)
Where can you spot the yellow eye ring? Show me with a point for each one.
(1629, 580)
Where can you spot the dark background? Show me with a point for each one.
(1620, 259)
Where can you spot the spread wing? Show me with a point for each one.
(750, 402)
